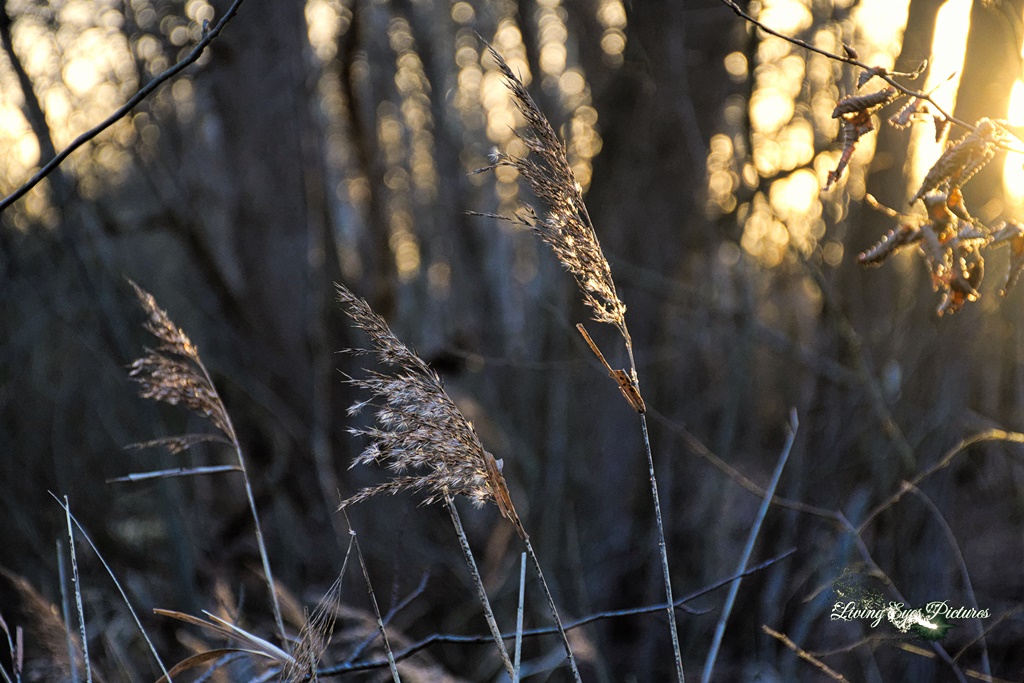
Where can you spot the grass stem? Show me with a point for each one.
(519, 617)
(78, 592)
(481, 592)
(376, 610)
(554, 610)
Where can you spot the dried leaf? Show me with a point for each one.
(175, 472)
(962, 160)
(621, 377)
(226, 629)
(867, 74)
(859, 104)
(963, 284)
(893, 242)
(852, 131)
(851, 52)
(1016, 264)
(208, 657)
(916, 73)
(907, 114)
(496, 480)
(1005, 233)
(629, 390)
(942, 126)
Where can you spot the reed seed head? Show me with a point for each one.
(173, 372)
(565, 225)
(420, 434)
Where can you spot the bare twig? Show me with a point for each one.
(968, 584)
(395, 609)
(123, 110)
(804, 654)
(987, 435)
(547, 631)
(846, 59)
(748, 549)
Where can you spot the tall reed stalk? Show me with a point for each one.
(174, 373)
(566, 227)
(423, 438)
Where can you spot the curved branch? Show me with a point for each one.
(208, 37)
(846, 59)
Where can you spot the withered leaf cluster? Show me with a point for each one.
(420, 435)
(855, 112)
(953, 245)
(951, 240)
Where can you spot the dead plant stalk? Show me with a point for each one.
(567, 228)
(174, 373)
(430, 447)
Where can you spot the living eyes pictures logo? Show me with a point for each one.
(855, 601)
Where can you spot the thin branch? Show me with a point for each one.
(730, 599)
(987, 435)
(846, 59)
(968, 584)
(870, 561)
(803, 654)
(358, 649)
(123, 110)
(547, 631)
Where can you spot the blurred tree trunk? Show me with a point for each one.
(992, 65)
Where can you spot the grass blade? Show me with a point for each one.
(117, 584)
(78, 592)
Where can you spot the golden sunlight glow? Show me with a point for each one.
(787, 16)
(790, 109)
(882, 23)
(948, 47)
(551, 35)
(612, 16)
(324, 21)
(1013, 167)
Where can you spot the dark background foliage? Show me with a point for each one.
(334, 142)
